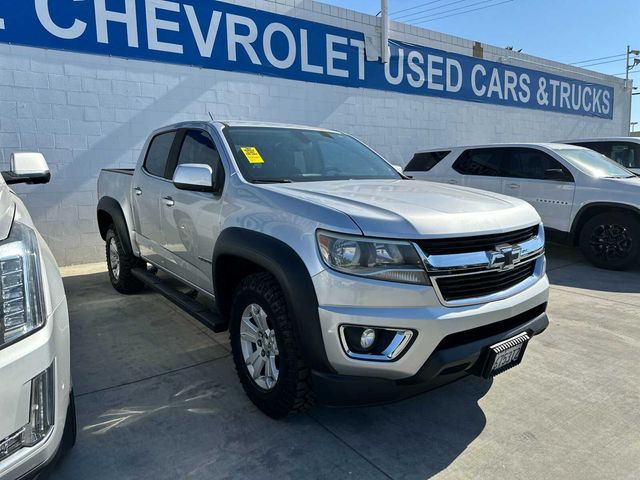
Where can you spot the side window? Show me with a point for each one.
(480, 161)
(423, 162)
(198, 147)
(534, 164)
(626, 154)
(156, 160)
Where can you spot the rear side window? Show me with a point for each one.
(480, 161)
(533, 164)
(158, 154)
(199, 148)
(423, 162)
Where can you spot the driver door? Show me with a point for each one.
(191, 220)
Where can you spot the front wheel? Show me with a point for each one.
(265, 350)
(120, 264)
(611, 241)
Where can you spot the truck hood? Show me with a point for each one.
(7, 209)
(416, 209)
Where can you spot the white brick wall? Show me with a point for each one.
(89, 112)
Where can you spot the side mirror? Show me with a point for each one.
(557, 174)
(30, 168)
(195, 177)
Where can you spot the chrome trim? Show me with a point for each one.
(397, 346)
(453, 263)
(474, 263)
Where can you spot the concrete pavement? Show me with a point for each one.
(158, 398)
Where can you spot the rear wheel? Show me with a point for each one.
(265, 350)
(611, 241)
(120, 264)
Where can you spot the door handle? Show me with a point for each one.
(168, 201)
(138, 191)
(452, 182)
(514, 185)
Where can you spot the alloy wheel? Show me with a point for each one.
(259, 347)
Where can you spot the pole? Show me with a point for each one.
(627, 64)
(385, 30)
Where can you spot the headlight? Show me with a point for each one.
(21, 304)
(390, 260)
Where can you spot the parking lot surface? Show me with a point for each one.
(158, 398)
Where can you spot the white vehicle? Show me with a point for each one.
(583, 197)
(623, 150)
(338, 278)
(37, 415)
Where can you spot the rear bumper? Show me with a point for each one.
(453, 359)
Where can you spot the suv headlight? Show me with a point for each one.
(21, 302)
(389, 260)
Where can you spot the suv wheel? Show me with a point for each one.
(611, 241)
(120, 265)
(265, 350)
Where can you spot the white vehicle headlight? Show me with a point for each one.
(21, 302)
(390, 260)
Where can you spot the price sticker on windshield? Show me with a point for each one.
(252, 155)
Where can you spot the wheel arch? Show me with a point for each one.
(110, 212)
(240, 252)
(592, 209)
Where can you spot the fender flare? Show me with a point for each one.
(113, 208)
(287, 267)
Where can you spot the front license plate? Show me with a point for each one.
(506, 354)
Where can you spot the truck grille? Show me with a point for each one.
(470, 270)
(481, 243)
(457, 287)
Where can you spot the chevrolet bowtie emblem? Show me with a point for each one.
(504, 257)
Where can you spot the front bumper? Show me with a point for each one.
(348, 300)
(453, 359)
(19, 363)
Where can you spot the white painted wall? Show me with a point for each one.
(89, 112)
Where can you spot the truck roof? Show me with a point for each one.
(555, 146)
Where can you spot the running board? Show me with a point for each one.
(204, 315)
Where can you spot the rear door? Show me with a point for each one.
(191, 220)
(149, 182)
(480, 168)
(540, 179)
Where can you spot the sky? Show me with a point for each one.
(567, 31)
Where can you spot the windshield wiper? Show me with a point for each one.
(271, 180)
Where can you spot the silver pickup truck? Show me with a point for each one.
(339, 280)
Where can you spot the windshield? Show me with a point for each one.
(594, 164)
(272, 155)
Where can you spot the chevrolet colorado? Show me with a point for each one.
(338, 278)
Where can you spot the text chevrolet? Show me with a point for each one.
(37, 414)
(339, 279)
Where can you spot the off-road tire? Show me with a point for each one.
(593, 228)
(292, 392)
(124, 282)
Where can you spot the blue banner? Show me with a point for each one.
(223, 36)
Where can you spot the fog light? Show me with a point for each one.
(42, 409)
(367, 338)
(372, 343)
